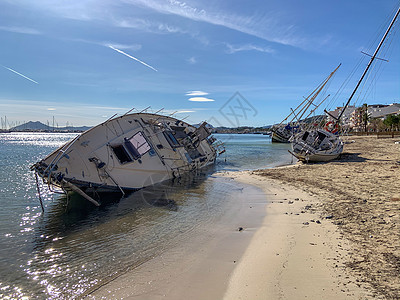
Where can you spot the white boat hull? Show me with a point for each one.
(128, 153)
(316, 146)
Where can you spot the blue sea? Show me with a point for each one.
(73, 247)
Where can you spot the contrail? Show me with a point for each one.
(130, 56)
(26, 77)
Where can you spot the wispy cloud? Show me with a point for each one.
(183, 111)
(248, 47)
(132, 57)
(148, 26)
(22, 75)
(76, 113)
(156, 27)
(196, 93)
(24, 30)
(201, 99)
(192, 60)
(133, 47)
(267, 27)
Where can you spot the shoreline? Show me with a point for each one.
(200, 266)
(313, 231)
(295, 253)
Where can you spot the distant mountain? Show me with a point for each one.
(38, 126)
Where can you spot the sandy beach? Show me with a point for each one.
(360, 194)
(317, 231)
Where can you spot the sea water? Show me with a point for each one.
(73, 247)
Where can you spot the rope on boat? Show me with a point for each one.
(38, 189)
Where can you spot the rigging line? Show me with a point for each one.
(370, 62)
(145, 109)
(379, 70)
(381, 28)
(158, 111)
(110, 118)
(375, 57)
(377, 74)
(128, 111)
(345, 83)
(322, 86)
(373, 76)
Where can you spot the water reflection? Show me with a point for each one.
(74, 245)
(79, 245)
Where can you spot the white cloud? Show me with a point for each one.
(148, 26)
(76, 113)
(185, 111)
(201, 99)
(196, 93)
(248, 47)
(24, 30)
(170, 28)
(267, 27)
(192, 60)
(133, 47)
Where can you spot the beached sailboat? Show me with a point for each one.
(282, 132)
(128, 153)
(325, 144)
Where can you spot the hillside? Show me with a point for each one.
(38, 126)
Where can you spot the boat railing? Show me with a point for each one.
(60, 154)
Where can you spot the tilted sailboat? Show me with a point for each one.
(128, 153)
(325, 144)
(282, 132)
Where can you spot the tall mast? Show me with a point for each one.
(309, 101)
(369, 64)
(319, 90)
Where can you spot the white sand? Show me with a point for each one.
(289, 249)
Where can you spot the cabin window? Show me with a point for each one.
(132, 148)
(139, 143)
(121, 153)
(305, 136)
(171, 139)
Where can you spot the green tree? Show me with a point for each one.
(392, 121)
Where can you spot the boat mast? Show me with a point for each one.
(369, 64)
(294, 111)
(319, 90)
(309, 101)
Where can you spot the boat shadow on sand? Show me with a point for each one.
(343, 157)
(351, 157)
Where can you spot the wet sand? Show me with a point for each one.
(199, 265)
(318, 231)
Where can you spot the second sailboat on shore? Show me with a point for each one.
(318, 145)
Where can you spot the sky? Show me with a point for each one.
(232, 63)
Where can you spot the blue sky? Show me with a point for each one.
(83, 61)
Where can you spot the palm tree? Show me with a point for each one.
(365, 116)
